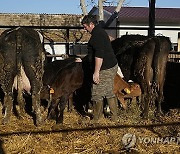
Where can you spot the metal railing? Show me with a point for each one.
(173, 56)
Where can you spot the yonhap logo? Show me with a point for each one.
(129, 140)
(159, 140)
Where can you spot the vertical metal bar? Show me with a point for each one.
(151, 31)
(117, 25)
(67, 41)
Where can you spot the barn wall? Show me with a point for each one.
(173, 34)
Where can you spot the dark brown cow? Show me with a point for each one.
(21, 48)
(139, 59)
(62, 78)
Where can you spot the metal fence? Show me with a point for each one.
(80, 47)
(174, 57)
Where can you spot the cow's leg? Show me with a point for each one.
(36, 85)
(161, 58)
(36, 88)
(141, 103)
(138, 100)
(8, 97)
(145, 103)
(145, 99)
(21, 103)
(159, 109)
(70, 103)
(36, 105)
(61, 107)
(20, 98)
(159, 101)
(122, 101)
(33, 67)
(8, 105)
(52, 110)
(146, 81)
(160, 80)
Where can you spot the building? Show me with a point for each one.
(139, 17)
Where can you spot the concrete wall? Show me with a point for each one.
(7, 19)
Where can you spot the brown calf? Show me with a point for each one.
(124, 90)
(63, 78)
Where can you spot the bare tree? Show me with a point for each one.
(83, 7)
(100, 6)
(101, 11)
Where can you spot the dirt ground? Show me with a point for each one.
(79, 135)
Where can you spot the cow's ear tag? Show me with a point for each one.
(51, 91)
(127, 90)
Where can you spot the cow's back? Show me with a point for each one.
(69, 79)
(52, 69)
(127, 49)
(64, 80)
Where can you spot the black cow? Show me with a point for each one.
(21, 48)
(139, 58)
(63, 77)
(163, 47)
(171, 87)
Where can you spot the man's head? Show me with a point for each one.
(89, 22)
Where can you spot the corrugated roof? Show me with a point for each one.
(141, 14)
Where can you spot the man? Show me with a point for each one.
(104, 65)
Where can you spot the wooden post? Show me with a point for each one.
(151, 31)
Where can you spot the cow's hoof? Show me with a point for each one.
(83, 120)
(114, 119)
(144, 116)
(22, 116)
(39, 121)
(22, 112)
(159, 114)
(57, 126)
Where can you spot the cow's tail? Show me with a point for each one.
(18, 51)
(19, 67)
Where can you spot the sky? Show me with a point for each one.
(67, 6)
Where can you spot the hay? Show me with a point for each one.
(82, 136)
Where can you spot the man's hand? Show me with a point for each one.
(96, 77)
(98, 64)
